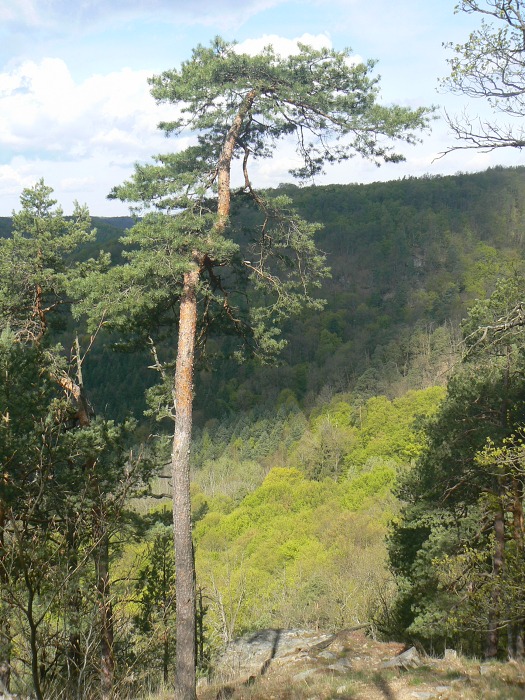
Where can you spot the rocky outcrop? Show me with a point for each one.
(311, 652)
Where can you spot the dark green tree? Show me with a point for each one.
(463, 511)
(42, 239)
(191, 267)
(66, 474)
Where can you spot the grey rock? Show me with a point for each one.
(304, 674)
(341, 666)
(254, 653)
(408, 659)
(450, 654)
(326, 655)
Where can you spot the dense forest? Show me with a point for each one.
(372, 474)
(407, 258)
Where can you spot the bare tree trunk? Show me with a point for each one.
(5, 624)
(107, 659)
(516, 645)
(497, 567)
(73, 612)
(185, 684)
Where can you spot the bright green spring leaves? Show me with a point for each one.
(290, 554)
(305, 549)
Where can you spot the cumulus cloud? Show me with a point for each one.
(83, 136)
(42, 109)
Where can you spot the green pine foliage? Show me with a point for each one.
(457, 550)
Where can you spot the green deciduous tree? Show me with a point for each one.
(191, 266)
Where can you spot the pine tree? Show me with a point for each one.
(190, 267)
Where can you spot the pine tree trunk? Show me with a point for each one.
(185, 685)
(73, 612)
(517, 646)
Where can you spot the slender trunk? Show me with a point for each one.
(33, 640)
(5, 624)
(497, 567)
(185, 685)
(200, 631)
(101, 536)
(517, 643)
(107, 659)
(73, 612)
(165, 656)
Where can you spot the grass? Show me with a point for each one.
(462, 679)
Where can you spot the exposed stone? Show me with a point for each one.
(408, 659)
(341, 666)
(326, 655)
(304, 674)
(253, 653)
(450, 655)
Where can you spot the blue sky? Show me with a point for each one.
(74, 101)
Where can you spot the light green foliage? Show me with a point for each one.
(299, 550)
(393, 429)
(344, 437)
(291, 553)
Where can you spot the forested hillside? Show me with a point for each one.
(343, 485)
(406, 259)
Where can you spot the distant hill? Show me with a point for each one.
(407, 258)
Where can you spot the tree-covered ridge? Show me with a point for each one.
(407, 258)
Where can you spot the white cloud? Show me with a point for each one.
(43, 110)
(283, 46)
(82, 136)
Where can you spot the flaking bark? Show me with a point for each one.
(185, 686)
